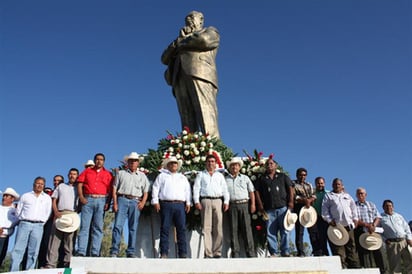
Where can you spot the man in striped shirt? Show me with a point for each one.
(369, 219)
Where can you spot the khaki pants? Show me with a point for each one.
(398, 251)
(212, 224)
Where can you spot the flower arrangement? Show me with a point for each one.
(191, 148)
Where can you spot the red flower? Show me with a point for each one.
(258, 228)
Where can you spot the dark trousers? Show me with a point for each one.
(4, 243)
(320, 241)
(347, 253)
(173, 213)
(369, 258)
(299, 230)
(239, 217)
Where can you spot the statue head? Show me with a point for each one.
(194, 20)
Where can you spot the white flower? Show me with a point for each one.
(200, 133)
(196, 136)
(202, 144)
(208, 137)
(253, 163)
(262, 161)
(196, 152)
(186, 146)
(201, 148)
(186, 152)
(177, 141)
(173, 141)
(254, 216)
(192, 145)
(188, 162)
(210, 145)
(184, 132)
(243, 170)
(171, 149)
(253, 178)
(179, 144)
(255, 168)
(185, 137)
(196, 159)
(203, 158)
(249, 173)
(178, 156)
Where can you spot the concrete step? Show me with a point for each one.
(306, 265)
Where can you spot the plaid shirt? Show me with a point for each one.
(367, 211)
(304, 190)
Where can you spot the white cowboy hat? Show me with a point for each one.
(308, 216)
(370, 241)
(338, 235)
(68, 222)
(11, 192)
(89, 163)
(290, 220)
(234, 160)
(134, 156)
(172, 159)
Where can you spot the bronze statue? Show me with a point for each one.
(192, 74)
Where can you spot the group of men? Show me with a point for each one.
(274, 195)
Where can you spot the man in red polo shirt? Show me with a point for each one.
(94, 188)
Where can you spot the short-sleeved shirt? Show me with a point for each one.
(96, 181)
(131, 183)
(303, 190)
(239, 187)
(274, 192)
(66, 196)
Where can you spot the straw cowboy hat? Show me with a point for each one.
(172, 159)
(370, 241)
(89, 163)
(68, 222)
(338, 235)
(290, 220)
(12, 192)
(308, 216)
(234, 160)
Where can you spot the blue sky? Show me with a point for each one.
(322, 84)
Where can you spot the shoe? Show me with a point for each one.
(66, 265)
(114, 255)
(131, 256)
(274, 255)
(217, 256)
(286, 255)
(183, 256)
(77, 254)
(164, 256)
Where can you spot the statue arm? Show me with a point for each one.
(169, 53)
(204, 40)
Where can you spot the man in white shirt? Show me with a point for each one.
(8, 219)
(209, 190)
(171, 196)
(398, 237)
(338, 207)
(33, 209)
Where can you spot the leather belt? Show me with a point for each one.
(130, 197)
(95, 195)
(33, 222)
(396, 240)
(210, 197)
(244, 201)
(172, 201)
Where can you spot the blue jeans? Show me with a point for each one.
(28, 235)
(91, 216)
(173, 213)
(275, 225)
(127, 209)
